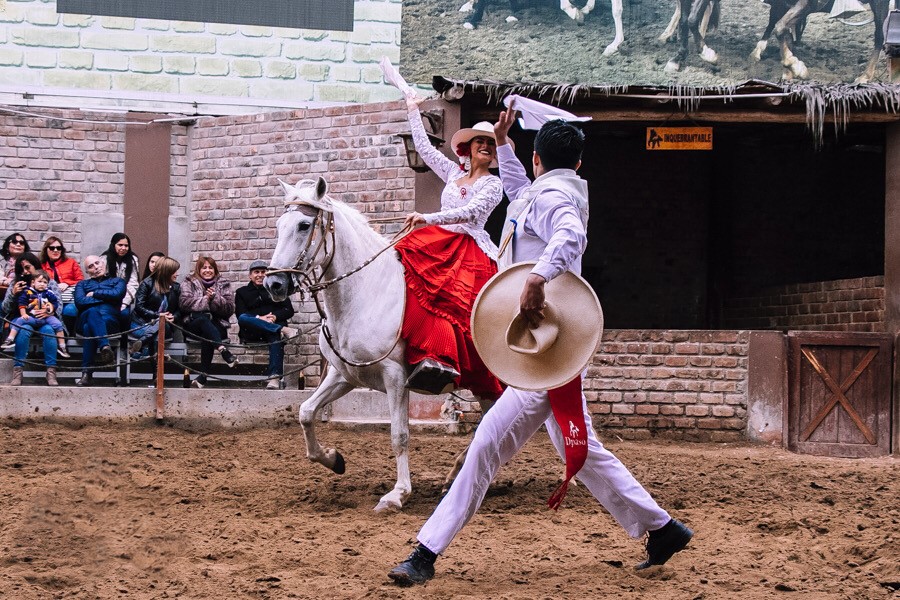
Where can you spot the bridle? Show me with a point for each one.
(306, 281)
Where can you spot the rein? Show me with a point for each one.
(316, 285)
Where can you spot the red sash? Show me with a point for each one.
(565, 402)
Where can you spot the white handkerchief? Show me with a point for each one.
(394, 78)
(535, 114)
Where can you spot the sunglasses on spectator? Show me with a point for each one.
(19, 242)
(55, 248)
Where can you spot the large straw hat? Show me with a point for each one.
(556, 351)
(467, 135)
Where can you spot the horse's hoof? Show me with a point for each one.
(387, 507)
(611, 49)
(468, 26)
(340, 467)
(572, 12)
(672, 67)
(511, 19)
(799, 69)
(709, 55)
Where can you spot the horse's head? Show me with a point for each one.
(301, 234)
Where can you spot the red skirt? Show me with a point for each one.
(444, 273)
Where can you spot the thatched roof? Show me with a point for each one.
(819, 99)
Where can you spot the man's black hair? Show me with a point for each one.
(559, 144)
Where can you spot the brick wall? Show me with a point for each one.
(688, 385)
(842, 305)
(137, 60)
(236, 198)
(56, 169)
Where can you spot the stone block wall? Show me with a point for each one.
(841, 305)
(138, 60)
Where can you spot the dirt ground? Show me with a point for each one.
(546, 45)
(109, 511)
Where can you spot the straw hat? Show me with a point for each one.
(464, 136)
(556, 351)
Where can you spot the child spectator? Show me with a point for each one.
(38, 299)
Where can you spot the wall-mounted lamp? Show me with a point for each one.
(433, 120)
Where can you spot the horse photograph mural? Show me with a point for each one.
(703, 43)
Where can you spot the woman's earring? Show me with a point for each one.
(468, 163)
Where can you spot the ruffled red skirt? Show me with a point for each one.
(444, 273)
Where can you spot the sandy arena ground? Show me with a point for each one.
(154, 512)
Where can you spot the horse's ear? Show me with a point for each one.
(288, 188)
(321, 188)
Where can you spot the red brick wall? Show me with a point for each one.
(689, 385)
(842, 305)
(235, 197)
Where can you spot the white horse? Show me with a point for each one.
(362, 315)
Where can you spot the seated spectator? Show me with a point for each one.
(64, 270)
(26, 266)
(207, 304)
(14, 246)
(99, 302)
(262, 320)
(151, 264)
(121, 262)
(35, 302)
(158, 295)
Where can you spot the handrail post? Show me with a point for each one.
(160, 368)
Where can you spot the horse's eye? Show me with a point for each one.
(303, 226)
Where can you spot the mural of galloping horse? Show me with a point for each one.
(362, 314)
(787, 19)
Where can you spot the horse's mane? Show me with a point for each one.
(359, 224)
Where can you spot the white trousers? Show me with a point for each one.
(504, 429)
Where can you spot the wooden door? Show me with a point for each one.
(839, 400)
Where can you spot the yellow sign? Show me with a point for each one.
(679, 138)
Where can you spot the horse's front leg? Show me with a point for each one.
(880, 10)
(398, 403)
(333, 387)
(617, 20)
(784, 31)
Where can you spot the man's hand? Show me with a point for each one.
(531, 304)
(168, 316)
(413, 220)
(42, 313)
(269, 317)
(90, 295)
(503, 124)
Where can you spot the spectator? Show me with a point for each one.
(158, 295)
(65, 271)
(207, 303)
(151, 264)
(99, 302)
(14, 246)
(262, 320)
(38, 299)
(26, 266)
(121, 262)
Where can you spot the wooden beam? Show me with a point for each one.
(719, 116)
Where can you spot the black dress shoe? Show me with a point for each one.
(106, 356)
(418, 568)
(664, 542)
(432, 377)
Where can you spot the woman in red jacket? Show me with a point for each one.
(65, 271)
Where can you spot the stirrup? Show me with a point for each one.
(432, 378)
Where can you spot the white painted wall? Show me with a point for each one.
(86, 61)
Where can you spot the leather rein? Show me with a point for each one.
(323, 227)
